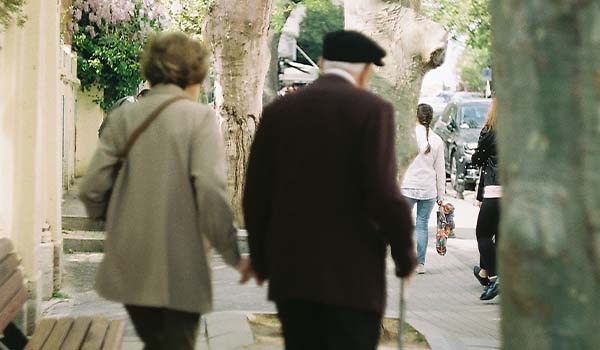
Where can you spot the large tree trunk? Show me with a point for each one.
(237, 32)
(548, 88)
(414, 45)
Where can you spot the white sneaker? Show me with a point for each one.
(421, 269)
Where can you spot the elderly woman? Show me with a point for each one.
(166, 187)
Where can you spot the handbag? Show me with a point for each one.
(131, 141)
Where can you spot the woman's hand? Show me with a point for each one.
(245, 269)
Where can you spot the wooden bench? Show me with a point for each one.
(65, 333)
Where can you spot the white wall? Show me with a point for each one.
(30, 146)
(88, 120)
(69, 90)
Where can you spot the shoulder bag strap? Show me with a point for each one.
(140, 129)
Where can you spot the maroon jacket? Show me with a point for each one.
(321, 199)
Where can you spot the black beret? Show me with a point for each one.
(353, 47)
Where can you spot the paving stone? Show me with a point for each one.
(228, 330)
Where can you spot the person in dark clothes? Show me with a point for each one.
(489, 193)
(119, 103)
(322, 203)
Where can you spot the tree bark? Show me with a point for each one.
(237, 32)
(272, 78)
(414, 44)
(547, 75)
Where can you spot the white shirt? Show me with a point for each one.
(426, 175)
(341, 73)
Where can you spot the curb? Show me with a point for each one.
(83, 241)
(92, 241)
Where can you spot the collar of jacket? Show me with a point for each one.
(166, 89)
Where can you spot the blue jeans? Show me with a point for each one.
(424, 208)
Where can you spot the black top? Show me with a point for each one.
(486, 157)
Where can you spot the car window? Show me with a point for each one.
(448, 113)
(453, 113)
(473, 115)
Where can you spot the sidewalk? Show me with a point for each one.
(442, 304)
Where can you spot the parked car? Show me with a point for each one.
(459, 126)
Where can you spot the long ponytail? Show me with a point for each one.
(425, 115)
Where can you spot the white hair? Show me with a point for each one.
(352, 68)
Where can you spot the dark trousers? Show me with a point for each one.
(164, 329)
(314, 326)
(487, 234)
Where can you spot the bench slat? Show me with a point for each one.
(96, 334)
(59, 333)
(41, 333)
(10, 288)
(114, 336)
(77, 334)
(13, 307)
(8, 267)
(6, 247)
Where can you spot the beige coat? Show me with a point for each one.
(168, 197)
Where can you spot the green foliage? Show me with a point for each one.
(469, 20)
(322, 17)
(108, 50)
(110, 62)
(471, 64)
(188, 15)
(281, 12)
(11, 10)
(60, 295)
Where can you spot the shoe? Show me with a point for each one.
(483, 280)
(491, 291)
(421, 269)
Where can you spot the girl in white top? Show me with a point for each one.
(425, 179)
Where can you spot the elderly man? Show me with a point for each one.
(322, 203)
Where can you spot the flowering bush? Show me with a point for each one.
(108, 36)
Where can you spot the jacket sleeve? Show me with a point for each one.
(208, 176)
(484, 148)
(257, 192)
(440, 173)
(95, 188)
(386, 207)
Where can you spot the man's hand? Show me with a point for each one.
(245, 269)
(406, 269)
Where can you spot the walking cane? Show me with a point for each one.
(401, 317)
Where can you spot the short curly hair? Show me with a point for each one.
(174, 58)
